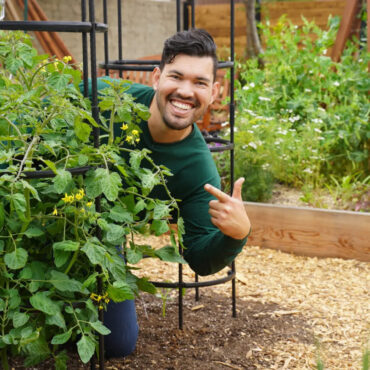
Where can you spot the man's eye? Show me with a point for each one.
(175, 77)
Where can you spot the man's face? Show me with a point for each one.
(184, 89)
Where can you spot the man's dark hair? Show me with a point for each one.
(194, 42)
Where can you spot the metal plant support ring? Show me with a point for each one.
(215, 144)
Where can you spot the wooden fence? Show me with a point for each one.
(310, 232)
(215, 18)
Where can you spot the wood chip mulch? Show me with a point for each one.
(331, 294)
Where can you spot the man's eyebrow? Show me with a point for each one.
(199, 78)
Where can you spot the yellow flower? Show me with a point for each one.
(137, 140)
(43, 69)
(82, 210)
(68, 198)
(135, 132)
(79, 196)
(55, 212)
(94, 296)
(89, 204)
(124, 127)
(101, 307)
(56, 65)
(129, 139)
(106, 300)
(67, 59)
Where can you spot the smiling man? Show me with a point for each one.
(216, 224)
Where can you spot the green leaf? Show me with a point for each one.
(83, 159)
(159, 227)
(61, 338)
(64, 283)
(62, 181)
(90, 280)
(120, 294)
(13, 64)
(58, 80)
(146, 286)
(139, 206)
(37, 350)
(2, 215)
(120, 214)
(133, 256)
(27, 185)
(16, 259)
(56, 319)
(51, 165)
(85, 348)
(61, 361)
(61, 251)
(160, 211)
(41, 301)
(82, 129)
(100, 328)
(169, 254)
(19, 319)
(149, 180)
(33, 232)
(93, 182)
(111, 183)
(14, 299)
(115, 233)
(94, 252)
(19, 204)
(135, 159)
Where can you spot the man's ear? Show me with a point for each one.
(215, 90)
(155, 77)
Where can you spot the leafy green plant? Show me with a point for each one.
(67, 205)
(303, 118)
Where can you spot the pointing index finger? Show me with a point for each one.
(221, 196)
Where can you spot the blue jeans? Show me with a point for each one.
(121, 319)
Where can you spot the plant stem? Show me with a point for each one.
(33, 142)
(4, 359)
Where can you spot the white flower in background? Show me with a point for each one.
(293, 119)
(324, 51)
(263, 98)
(250, 131)
(252, 84)
(252, 145)
(337, 117)
(265, 166)
(283, 120)
(307, 170)
(317, 130)
(307, 90)
(282, 132)
(250, 112)
(278, 141)
(320, 138)
(336, 83)
(317, 120)
(322, 109)
(245, 87)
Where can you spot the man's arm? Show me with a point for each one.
(208, 248)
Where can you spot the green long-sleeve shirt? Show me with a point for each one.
(208, 250)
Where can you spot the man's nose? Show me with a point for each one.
(185, 89)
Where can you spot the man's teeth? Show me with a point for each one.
(181, 105)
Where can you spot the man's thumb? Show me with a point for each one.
(237, 191)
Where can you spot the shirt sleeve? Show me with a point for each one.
(207, 249)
